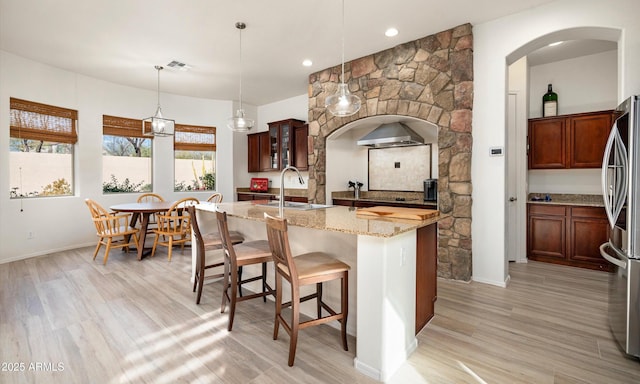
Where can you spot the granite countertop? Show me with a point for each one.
(336, 218)
(413, 198)
(566, 199)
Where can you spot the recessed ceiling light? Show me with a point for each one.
(391, 32)
(307, 63)
(556, 43)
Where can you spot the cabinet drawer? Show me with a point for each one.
(593, 212)
(543, 209)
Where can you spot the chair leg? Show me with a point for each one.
(95, 253)
(264, 282)
(106, 252)
(233, 296)
(195, 281)
(225, 284)
(170, 246)
(200, 283)
(344, 297)
(240, 279)
(295, 324)
(278, 304)
(155, 244)
(319, 299)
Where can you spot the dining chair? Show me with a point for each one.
(215, 198)
(236, 257)
(174, 226)
(149, 198)
(306, 269)
(113, 229)
(205, 245)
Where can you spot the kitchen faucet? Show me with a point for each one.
(356, 187)
(281, 202)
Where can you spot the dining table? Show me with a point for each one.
(142, 212)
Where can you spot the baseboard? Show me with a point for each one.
(47, 252)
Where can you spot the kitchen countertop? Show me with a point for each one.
(567, 199)
(336, 218)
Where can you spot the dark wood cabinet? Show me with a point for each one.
(426, 274)
(259, 158)
(284, 144)
(568, 141)
(372, 203)
(567, 235)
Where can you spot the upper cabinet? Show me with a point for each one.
(569, 141)
(284, 144)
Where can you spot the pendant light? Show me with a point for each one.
(342, 103)
(158, 125)
(239, 123)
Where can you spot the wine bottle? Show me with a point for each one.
(550, 103)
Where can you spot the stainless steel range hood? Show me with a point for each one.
(391, 135)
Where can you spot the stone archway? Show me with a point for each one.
(431, 79)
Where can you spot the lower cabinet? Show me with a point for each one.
(426, 274)
(568, 235)
(262, 196)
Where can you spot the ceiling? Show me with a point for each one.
(121, 41)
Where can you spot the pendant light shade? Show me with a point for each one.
(239, 123)
(157, 125)
(342, 103)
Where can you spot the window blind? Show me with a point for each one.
(194, 138)
(122, 126)
(36, 121)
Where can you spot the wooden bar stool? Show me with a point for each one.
(236, 257)
(309, 268)
(204, 244)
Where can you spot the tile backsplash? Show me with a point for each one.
(399, 168)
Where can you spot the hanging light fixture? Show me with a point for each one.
(158, 125)
(342, 103)
(239, 123)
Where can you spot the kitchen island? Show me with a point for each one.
(384, 254)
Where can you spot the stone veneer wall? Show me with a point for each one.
(432, 79)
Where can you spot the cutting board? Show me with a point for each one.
(397, 213)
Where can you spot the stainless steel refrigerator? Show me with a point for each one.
(621, 188)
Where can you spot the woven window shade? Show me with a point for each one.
(122, 126)
(35, 121)
(194, 138)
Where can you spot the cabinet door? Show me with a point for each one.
(547, 143)
(346, 203)
(285, 145)
(426, 274)
(589, 229)
(253, 149)
(546, 240)
(587, 138)
(300, 150)
(268, 158)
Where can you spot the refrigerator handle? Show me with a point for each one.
(605, 167)
(610, 258)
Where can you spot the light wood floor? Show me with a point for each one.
(137, 322)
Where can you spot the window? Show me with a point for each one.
(195, 158)
(42, 138)
(126, 156)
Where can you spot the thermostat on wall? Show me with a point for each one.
(496, 151)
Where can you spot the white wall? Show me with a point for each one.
(293, 108)
(584, 84)
(63, 222)
(494, 43)
(347, 161)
